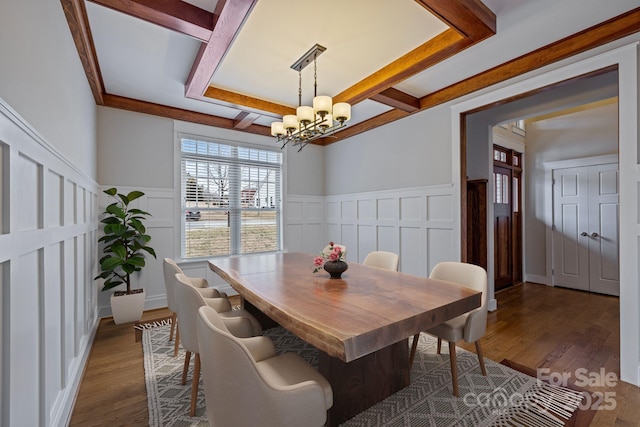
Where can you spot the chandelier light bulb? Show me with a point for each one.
(342, 112)
(322, 105)
(290, 123)
(327, 122)
(277, 129)
(305, 115)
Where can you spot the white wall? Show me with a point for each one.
(47, 252)
(134, 148)
(42, 79)
(408, 153)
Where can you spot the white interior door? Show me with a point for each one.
(586, 235)
(571, 220)
(603, 230)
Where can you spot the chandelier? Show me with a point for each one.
(310, 123)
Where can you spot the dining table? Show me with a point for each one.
(360, 323)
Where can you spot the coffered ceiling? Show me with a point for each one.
(226, 63)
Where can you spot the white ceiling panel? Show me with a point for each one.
(361, 36)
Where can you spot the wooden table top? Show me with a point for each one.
(368, 309)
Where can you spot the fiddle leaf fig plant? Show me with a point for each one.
(125, 240)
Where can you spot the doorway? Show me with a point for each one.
(624, 61)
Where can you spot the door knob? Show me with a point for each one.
(594, 234)
(584, 233)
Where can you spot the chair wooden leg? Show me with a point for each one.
(454, 368)
(173, 326)
(439, 346)
(185, 369)
(194, 385)
(414, 346)
(481, 358)
(176, 345)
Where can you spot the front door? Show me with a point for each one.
(507, 221)
(502, 227)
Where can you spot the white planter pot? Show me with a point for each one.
(127, 308)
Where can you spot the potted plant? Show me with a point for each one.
(125, 241)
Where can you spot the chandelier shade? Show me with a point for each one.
(310, 123)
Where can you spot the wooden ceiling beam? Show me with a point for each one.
(444, 45)
(244, 120)
(238, 100)
(472, 18)
(233, 14)
(78, 22)
(358, 128)
(175, 15)
(160, 110)
(398, 99)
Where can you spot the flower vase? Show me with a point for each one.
(335, 268)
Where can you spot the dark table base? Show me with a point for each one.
(362, 383)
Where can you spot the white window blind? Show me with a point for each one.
(230, 199)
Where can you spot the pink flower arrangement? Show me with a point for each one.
(335, 254)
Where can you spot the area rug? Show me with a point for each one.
(505, 397)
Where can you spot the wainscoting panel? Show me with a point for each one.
(28, 178)
(304, 223)
(48, 314)
(53, 322)
(439, 246)
(416, 223)
(23, 340)
(412, 250)
(366, 241)
(53, 199)
(367, 210)
(387, 239)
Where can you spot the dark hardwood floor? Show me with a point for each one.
(561, 330)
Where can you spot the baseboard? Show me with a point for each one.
(543, 280)
(62, 416)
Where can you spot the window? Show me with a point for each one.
(500, 188)
(516, 194)
(230, 199)
(500, 155)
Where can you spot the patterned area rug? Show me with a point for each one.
(505, 397)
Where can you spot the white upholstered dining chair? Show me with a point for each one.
(170, 268)
(246, 383)
(188, 301)
(382, 259)
(470, 326)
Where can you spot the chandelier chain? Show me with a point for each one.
(300, 88)
(315, 76)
